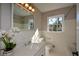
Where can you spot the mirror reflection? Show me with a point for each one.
(22, 19)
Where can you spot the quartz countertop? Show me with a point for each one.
(29, 50)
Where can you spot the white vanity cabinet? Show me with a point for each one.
(35, 49)
(27, 51)
(41, 52)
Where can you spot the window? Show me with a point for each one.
(30, 24)
(55, 23)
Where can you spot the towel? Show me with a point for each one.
(36, 37)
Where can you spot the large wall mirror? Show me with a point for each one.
(22, 19)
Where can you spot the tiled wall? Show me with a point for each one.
(65, 42)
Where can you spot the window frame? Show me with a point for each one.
(61, 15)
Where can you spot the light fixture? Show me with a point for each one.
(27, 5)
(30, 8)
(33, 10)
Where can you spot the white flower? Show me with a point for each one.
(12, 41)
(10, 35)
(3, 32)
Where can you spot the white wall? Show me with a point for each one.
(5, 16)
(0, 16)
(78, 27)
(37, 19)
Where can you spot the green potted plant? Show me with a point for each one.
(6, 39)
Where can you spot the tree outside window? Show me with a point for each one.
(55, 23)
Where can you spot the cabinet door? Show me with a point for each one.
(41, 52)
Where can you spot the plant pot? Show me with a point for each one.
(8, 49)
(8, 52)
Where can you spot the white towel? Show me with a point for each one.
(36, 37)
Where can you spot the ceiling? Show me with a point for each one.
(20, 12)
(44, 7)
